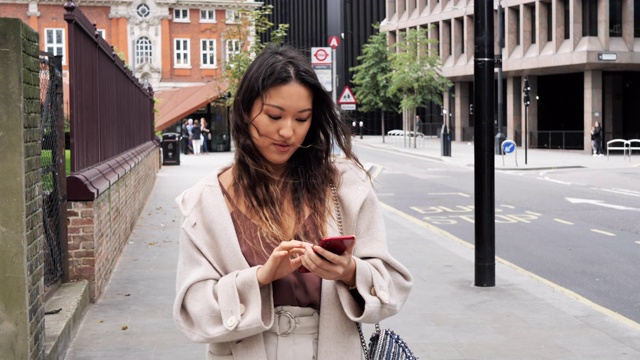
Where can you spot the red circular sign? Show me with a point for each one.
(334, 41)
(321, 55)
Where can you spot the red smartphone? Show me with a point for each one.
(336, 244)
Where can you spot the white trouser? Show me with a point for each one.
(294, 334)
(196, 146)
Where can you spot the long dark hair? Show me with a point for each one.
(310, 170)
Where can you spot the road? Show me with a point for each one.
(578, 228)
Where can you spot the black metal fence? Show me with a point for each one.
(53, 173)
(111, 112)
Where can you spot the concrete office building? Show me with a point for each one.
(582, 59)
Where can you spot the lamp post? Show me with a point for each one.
(526, 99)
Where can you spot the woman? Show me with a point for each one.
(196, 132)
(596, 139)
(238, 285)
(206, 135)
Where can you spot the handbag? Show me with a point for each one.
(383, 344)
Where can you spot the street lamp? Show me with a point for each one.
(446, 135)
(527, 101)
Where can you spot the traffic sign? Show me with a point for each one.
(334, 42)
(321, 56)
(508, 146)
(347, 97)
(348, 106)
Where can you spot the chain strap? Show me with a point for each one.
(336, 205)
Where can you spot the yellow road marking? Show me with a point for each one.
(603, 232)
(599, 308)
(563, 221)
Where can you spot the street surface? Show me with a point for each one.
(578, 228)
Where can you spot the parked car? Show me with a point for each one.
(401, 133)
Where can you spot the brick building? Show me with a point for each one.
(168, 44)
(581, 58)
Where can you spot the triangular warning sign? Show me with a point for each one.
(347, 97)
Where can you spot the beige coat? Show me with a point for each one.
(218, 299)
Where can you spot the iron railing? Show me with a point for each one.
(111, 112)
(53, 168)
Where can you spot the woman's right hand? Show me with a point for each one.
(285, 259)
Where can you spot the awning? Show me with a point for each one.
(175, 104)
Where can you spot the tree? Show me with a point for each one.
(246, 34)
(415, 73)
(371, 77)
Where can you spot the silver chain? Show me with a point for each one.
(336, 205)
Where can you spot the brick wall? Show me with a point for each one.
(21, 224)
(98, 230)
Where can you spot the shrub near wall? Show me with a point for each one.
(99, 229)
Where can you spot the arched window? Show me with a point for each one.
(144, 52)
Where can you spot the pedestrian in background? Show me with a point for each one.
(206, 135)
(596, 139)
(185, 137)
(196, 137)
(248, 228)
(418, 124)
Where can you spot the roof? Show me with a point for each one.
(173, 105)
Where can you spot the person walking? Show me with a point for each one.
(196, 137)
(185, 137)
(206, 135)
(596, 139)
(248, 228)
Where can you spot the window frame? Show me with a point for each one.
(186, 52)
(103, 33)
(181, 19)
(204, 52)
(62, 46)
(236, 51)
(136, 52)
(208, 20)
(235, 19)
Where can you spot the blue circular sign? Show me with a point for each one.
(508, 147)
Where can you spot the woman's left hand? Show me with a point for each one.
(335, 267)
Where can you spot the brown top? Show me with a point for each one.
(296, 289)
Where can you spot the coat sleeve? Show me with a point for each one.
(382, 281)
(213, 304)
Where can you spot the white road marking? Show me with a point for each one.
(563, 221)
(603, 232)
(600, 203)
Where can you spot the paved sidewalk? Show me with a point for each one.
(445, 317)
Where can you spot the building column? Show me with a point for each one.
(461, 112)
(514, 109)
(33, 14)
(592, 104)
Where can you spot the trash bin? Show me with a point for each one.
(170, 149)
(446, 141)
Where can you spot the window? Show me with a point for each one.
(181, 53)
(567, 20)
(144, 53)
(54, 42)
(102, 33)
(207, 16)
(181, 15)
(233, 16)
(590, 18)
(636, 18)
(208, 53)
(233, 48)
(550, 28)
(615, 18)
(532, 13)
(143, 10)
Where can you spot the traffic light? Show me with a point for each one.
(526, 90)
(470, 109)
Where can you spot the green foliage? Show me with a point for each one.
(254, 22)
(415, 74)
(372, 76)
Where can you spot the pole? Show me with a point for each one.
(500, 137)
(334, 79)
(484, 185)
(526, 99)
